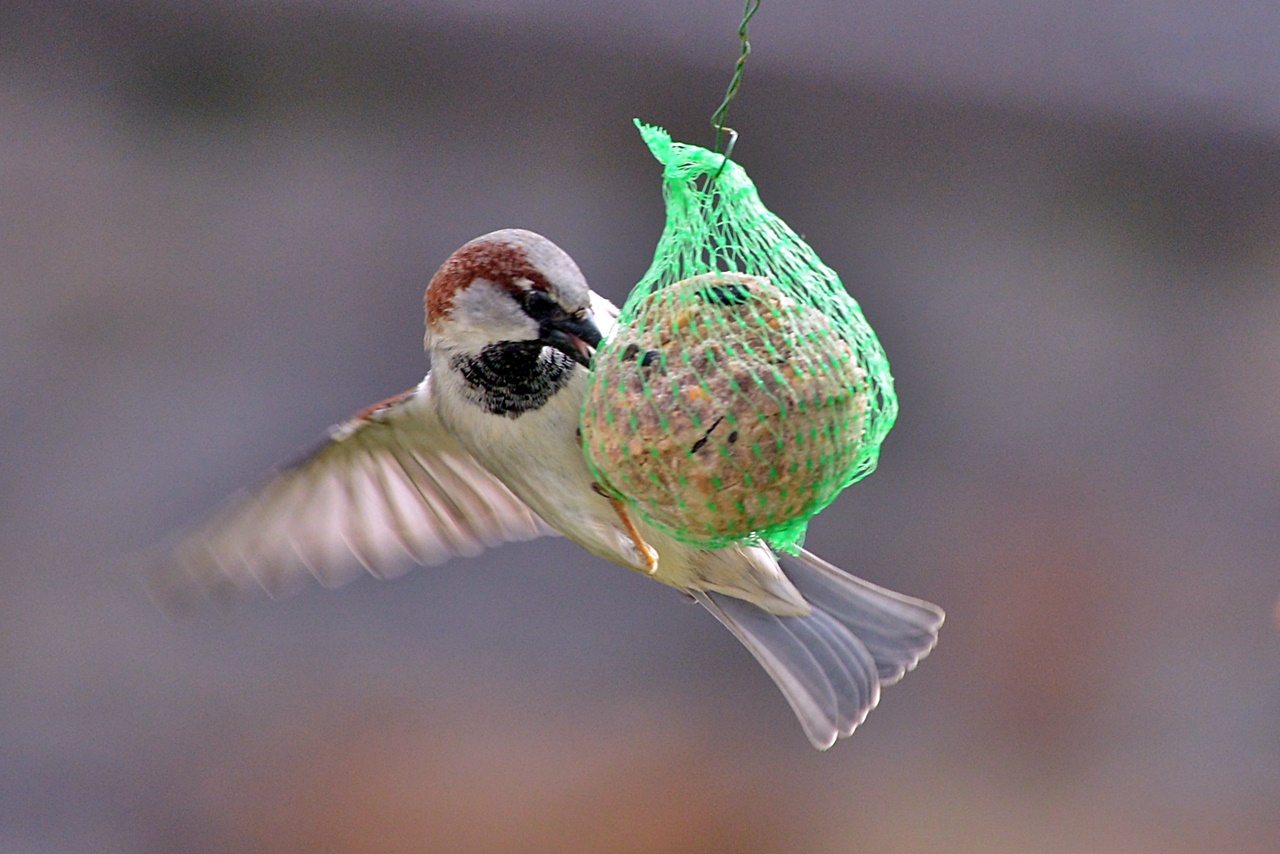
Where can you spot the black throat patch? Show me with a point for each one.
(513, 377)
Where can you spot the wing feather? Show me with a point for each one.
(389, 488)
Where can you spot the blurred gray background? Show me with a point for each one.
(216, 223)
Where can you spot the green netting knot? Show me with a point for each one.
(743, 388)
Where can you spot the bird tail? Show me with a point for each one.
(831, 663)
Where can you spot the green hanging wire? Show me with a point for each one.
(718, 117)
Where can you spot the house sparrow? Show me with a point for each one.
(486, 450)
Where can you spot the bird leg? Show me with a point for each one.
(648, 553)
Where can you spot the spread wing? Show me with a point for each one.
(387, 489)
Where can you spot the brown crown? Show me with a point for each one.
(499, 262)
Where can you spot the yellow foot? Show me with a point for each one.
(648, 554)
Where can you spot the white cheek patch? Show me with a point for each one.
(484, 314)
(483, 300)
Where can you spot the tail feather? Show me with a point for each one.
(831, 663)
(898, 630)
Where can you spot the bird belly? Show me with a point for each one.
(538, 457)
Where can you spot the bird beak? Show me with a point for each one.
(576, 338)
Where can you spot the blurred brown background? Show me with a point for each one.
(216, 221)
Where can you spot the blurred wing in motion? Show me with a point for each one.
(831, 664)
(387, 489)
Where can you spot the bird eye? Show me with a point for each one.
(540, 306)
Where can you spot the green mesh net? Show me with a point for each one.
(742, 389)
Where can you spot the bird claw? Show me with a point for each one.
(647, 553)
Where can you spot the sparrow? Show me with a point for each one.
(486, 450)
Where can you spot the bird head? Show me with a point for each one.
(510, 287)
